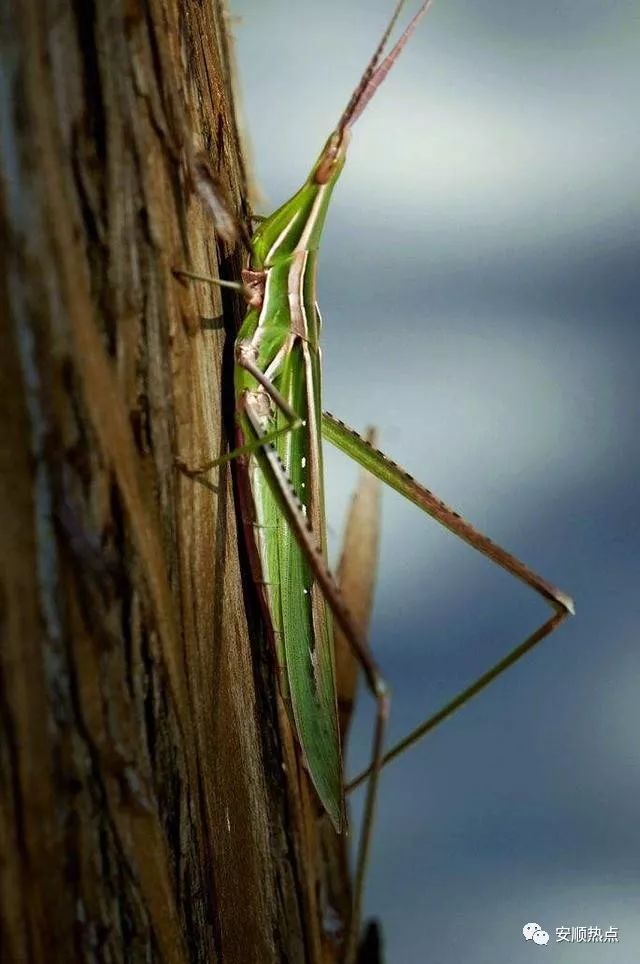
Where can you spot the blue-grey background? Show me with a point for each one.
(479, 287)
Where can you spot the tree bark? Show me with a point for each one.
(144, 810)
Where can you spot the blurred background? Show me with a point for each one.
(480, 293)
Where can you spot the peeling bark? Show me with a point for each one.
(151, 802)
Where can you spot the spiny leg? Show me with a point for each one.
(291, 505)
(387, 471)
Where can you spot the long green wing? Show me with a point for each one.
(301, 617)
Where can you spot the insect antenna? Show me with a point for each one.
(376, 71)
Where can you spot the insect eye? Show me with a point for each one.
(330, 155)
(325, 168)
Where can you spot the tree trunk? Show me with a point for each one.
(144, 810)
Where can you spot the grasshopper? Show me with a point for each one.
(280, 425)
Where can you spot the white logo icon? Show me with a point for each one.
(533, 932)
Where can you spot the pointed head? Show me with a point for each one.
(299, 221)
(332, 158)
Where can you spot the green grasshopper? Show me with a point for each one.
(279, 430)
